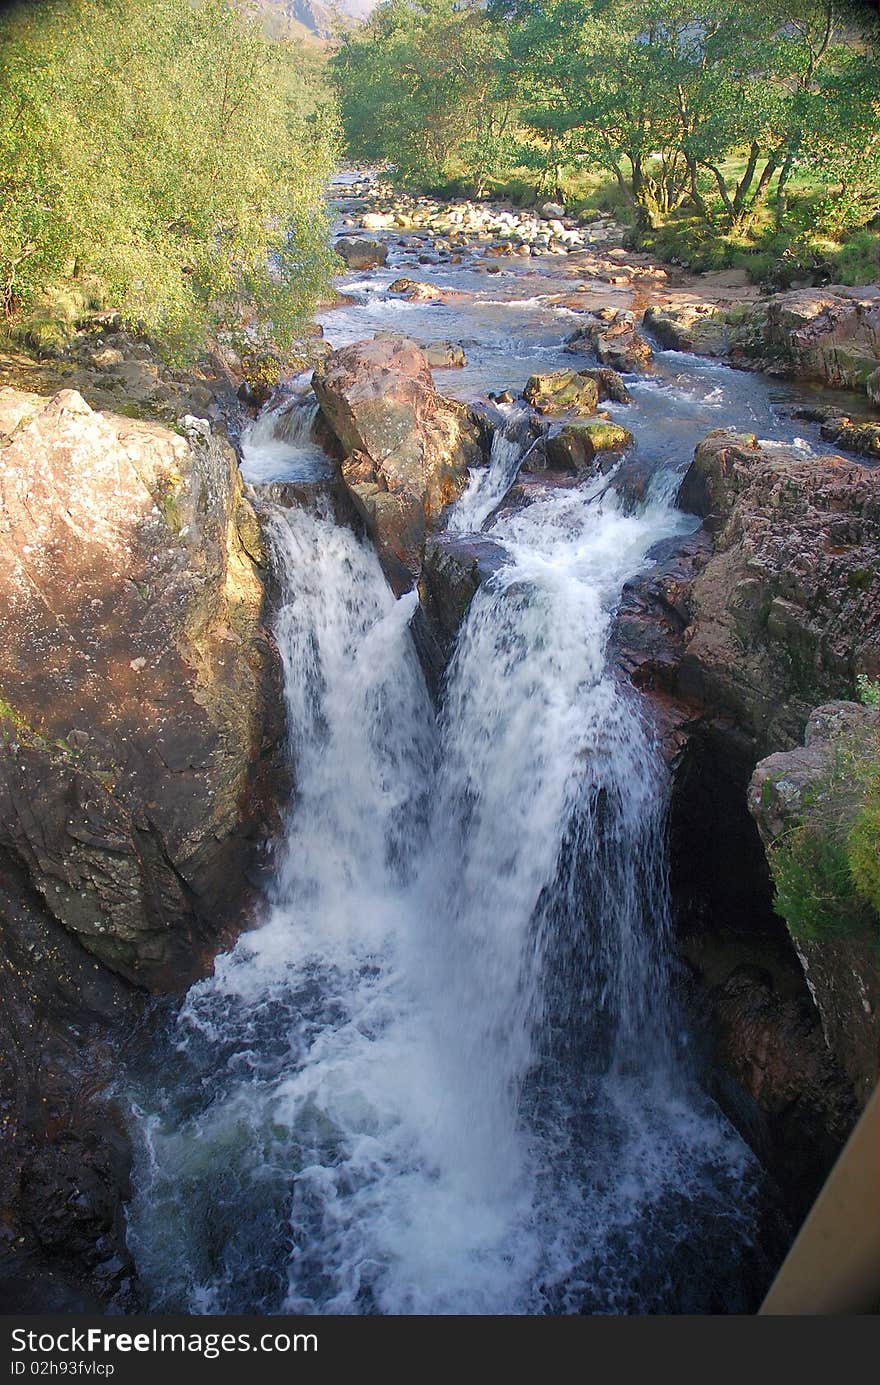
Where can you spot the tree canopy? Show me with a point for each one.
(166, 155)
(660, 94)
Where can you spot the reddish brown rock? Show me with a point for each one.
(786, 613)
(407, 447)
(138, 725)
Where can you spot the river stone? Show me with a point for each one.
(445, 355)
(614, 337)
(415, 291)
(361, 253)
(577, 444)
(609, 384)
(562, 391)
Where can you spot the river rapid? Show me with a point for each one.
(448, 1072)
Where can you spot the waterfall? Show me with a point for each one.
(488, 486)
(443, 1075)
(279, 445)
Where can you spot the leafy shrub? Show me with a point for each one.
(163, 150)
(869, 693)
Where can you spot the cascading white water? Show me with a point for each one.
(441, 1076)
(488, 485)
(279, 446)
(447, 1073)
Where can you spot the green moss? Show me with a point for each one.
(826, 869)
(8, 713)
(863, 857)
(167, 498)
(860, 578)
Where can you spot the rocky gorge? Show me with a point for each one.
(520, 386)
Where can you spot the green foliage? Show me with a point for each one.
(868, 691)
(163, 154)
(863, 857)
(418, 87)
(858, 262)
(826, 869)
(748, 120)
(815, 893)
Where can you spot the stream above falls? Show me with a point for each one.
(448, 1072)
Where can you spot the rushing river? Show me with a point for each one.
(447, 1073)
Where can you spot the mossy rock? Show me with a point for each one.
(562, 391)
(576, 445)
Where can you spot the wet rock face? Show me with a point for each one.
(787, 608)
(842, 972)
(455, 567)
(407, 448)
(64, 1159)
(767, 1039)
(831, 335)
(137, 684)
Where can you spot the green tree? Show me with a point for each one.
(661, 93)
(418, 88)
(160, 152)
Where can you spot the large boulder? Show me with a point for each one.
(416, 291)
(786, 611)
(615, 339)
(842, 971)
(830, 335)
(359, 253)
(562, 391)
(577, 444)
(407, 448)
(455, 567)
(691, 326)
(609, 384)
(137, 684)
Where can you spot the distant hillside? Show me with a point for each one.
(299, 18)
